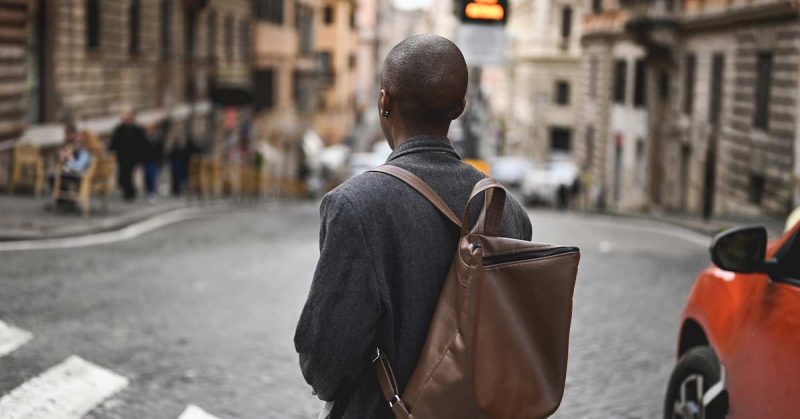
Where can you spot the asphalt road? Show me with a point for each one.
(203, 313)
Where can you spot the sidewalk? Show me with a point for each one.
(708, 227)
(25, 217)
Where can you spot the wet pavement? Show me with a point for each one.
(203, 313)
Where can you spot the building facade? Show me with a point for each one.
(691, 106)
(88, 61)
(543, 77)
(337, 49)
(285, 69)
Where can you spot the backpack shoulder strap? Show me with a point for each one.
(420, 186)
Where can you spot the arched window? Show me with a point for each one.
(211, 35)
(92, 24)
(134, 22)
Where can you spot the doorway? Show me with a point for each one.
(686, 158)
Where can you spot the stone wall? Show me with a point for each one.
(13, 80)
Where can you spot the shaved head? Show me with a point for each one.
(426, 75)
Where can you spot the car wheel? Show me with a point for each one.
(694, 375)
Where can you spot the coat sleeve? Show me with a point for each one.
(337, 324)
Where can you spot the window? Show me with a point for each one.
(763, 90)
(755, 190)
(304, 92)
(566, 22)
(562, 93)
(640, 160)
(93, 24)
(305, 29)
(664, 88)
(211, 35)
(269, 11)
(688, 83)
(593, 78)
(245, 37)
(597, 6)
(560, 139)
(715, 98)
(620, 76)
(640, 85)
(264, 83)
(327, 15)
(229, 37)
(134, 22)
(166, 19)
(325, 68)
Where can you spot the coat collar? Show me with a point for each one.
(424, 143)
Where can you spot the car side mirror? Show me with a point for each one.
(740, 249)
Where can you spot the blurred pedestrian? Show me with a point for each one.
(156, 135)
(129, 143)
(361, 295)
(74, 160)
(178, 156)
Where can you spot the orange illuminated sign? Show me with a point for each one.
(487, 11)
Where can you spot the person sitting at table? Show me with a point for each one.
(74, 160)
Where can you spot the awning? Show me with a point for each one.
(231, 95)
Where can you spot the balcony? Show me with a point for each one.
(653, 24)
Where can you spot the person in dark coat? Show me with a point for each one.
(384, 249)
(156, 135)
(129, 143)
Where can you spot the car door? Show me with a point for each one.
(764, 367)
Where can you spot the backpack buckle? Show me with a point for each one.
(376, 356)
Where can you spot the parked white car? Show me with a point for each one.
(361, 162)
(510, 170)
(552, 183)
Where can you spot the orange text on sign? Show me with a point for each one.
(484, 10)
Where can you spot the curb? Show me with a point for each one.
(102, 226)
(130, 230)
(707, 228)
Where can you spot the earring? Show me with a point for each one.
(385, 114)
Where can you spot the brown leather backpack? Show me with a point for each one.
(497, 344)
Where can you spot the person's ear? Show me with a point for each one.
(383, 103)
(459, 110)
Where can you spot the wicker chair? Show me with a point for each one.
(28, 168)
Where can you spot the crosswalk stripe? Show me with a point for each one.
(194, 412)
(68, 390)
(12, 338)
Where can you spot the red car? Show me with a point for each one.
(739, 343)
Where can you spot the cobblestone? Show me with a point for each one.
(204, 312)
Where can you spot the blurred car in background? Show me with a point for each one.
(553, 183)
(361, 162)
(740, 332)
(509, 170)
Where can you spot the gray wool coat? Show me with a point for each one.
(384, 254)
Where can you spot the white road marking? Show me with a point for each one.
(650, 226)
(194, 412)
(130, 232)
(68, 390)
(660, 228)
(12, 338)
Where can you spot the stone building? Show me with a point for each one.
(13, 80)
(691, 105)
(337, 47)
(543, 77)
(89, 60)
(285, 69)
